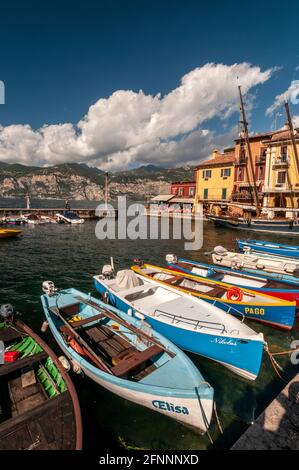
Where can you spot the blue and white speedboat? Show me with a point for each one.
(269, 248)
(191, 323)
(127, 357)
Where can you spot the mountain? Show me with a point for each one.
(79, 181)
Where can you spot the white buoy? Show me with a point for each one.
(44, 327)
(65, 363)
(76, 368)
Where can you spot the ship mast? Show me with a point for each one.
(106, 190)
(245, 127)
(291, 127)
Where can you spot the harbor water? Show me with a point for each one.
(70, 256)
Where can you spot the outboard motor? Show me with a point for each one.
(137, 262)
(108, 271)
(171, 259)
(220, 250)
(49, 288)
(7, 313)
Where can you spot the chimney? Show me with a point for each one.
(215, 153)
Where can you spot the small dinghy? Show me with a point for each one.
(127, 357)
(265, 284)
(39, 407)
(235, 300)
(189, 322)
(255, 261)
(268, 248)
(9, 233)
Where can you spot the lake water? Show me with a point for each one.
(70, 256)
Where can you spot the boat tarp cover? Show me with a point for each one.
(127, 279)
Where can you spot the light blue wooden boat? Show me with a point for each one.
(191, 323)
(269, 248)
(140, 364)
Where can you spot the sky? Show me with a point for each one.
(122, 83)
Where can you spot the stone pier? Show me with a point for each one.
(277, 428)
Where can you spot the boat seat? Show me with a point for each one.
(144, 287)
(85, 321)
(135, 359)
(216, 292)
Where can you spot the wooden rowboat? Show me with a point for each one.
(38, 402)
(127, 357)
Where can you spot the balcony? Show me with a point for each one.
(281, 162)
(245, 196)
(241, 162)
(261, 160)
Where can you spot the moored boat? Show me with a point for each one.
(265, 284)
(282, 226)
(256, 261)
(38, 402)
(127, 357)
(235, 300)
(189, 322)
(69, 217)
(268, 248)
(9, 233)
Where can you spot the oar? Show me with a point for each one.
(100, 363)
(122, 322)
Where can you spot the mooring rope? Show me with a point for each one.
(217, 418)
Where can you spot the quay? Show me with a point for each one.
(277, 428)
(84, 213)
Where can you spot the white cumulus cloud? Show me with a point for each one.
(131, 128)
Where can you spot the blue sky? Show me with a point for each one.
(59, 58)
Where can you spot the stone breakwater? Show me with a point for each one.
(277, 428)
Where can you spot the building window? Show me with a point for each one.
(225, 172)
(205, 193)
(181, 191)
(284, 150)
(207, 174)
(224, 193)
(240, 174)
(191, 192)
(260, 174)
(281, 177)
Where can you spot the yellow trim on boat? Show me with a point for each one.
(277, 302)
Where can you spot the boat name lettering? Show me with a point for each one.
(255, 311)
(228, 342)
(164, 405)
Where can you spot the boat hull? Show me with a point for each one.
(290, 295)
(271, 226)
(259, 247)
(9, 233)
(244, 358)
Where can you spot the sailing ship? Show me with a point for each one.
(254, 217)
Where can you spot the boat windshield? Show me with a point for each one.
(71, 215)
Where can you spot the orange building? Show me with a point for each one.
(243, 176)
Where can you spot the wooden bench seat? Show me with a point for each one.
(85, 321)
(135, 359)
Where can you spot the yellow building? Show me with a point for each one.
(215, 177)
(281, 187)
